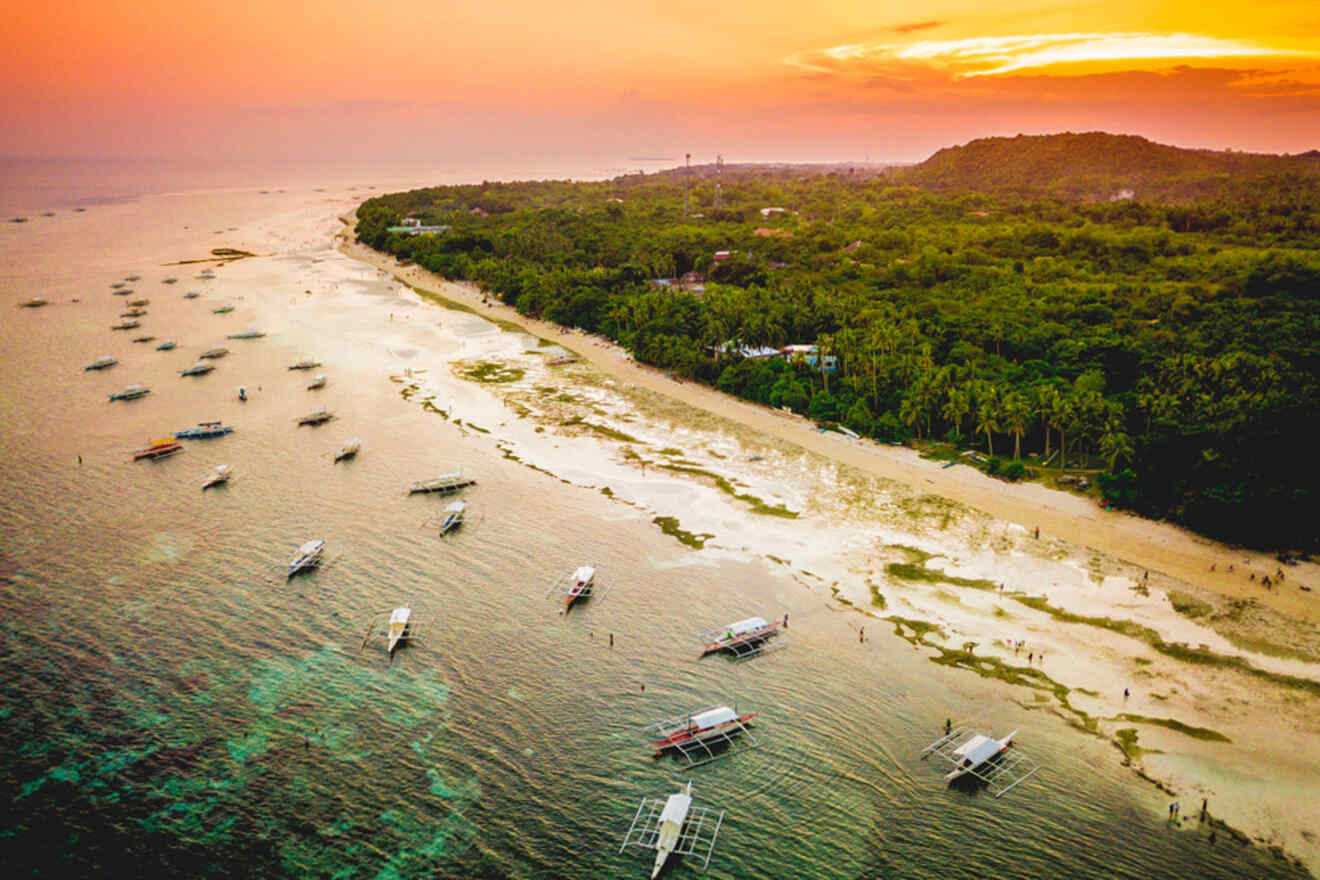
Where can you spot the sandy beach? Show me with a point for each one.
(1158, 547)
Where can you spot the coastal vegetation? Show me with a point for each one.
(1144, 316)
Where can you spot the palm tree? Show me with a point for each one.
(1044, 406)
(1115, 444)
(987, 420)
(957, 405)
(909, 413)
(1061, 419)
(1017, 413)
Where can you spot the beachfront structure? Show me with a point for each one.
(417, 229)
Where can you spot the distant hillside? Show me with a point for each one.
(1098, 167)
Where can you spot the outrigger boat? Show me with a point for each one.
(309, 555)
(147, 338)
(170, 280)
(132, 277)
(213, 353)
(137, 303)
(318, 381)
(714, 723)
(397, 627)
(201, 368)
(115, 285)
(672, 818)
(133, 313)
(976, 751)
(131, 392)
(217, 475)
(348, 450)
(125, 325)
(124, 291)
(995, 763)
(444, 483)
(454, 514)
(319, 417)
(101, 363)
(159, 449)
(741, 637)
(305, 365)
(207, 274)
(35, 303)
(222, 310)
(242, 393)
(673, 826)
(204, 430)
(246, 334)
(192, 294)
(579, 584)
(167, 345)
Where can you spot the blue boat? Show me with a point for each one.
(203, 430)
(166, 345)
(309, 555)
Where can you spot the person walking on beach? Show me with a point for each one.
(1126, 693)
(861, 634)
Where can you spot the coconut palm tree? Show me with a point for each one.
(987, 418)
(1017, 414)
(957, 404)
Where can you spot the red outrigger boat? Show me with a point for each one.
(737, 637)
(159, 449)
(579, 585)
(717, 722)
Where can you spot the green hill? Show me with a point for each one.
(1097, 166)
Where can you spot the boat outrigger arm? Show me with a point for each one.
(673, 826)
(999, 764)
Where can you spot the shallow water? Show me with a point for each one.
(172, 704)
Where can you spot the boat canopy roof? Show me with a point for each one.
(400, 615)
(311, 546)
(712, 717)
(584, 573)
(458, 507)
(676, 808)
(751, 624)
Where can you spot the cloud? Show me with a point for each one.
(997, 56)
(916, 26)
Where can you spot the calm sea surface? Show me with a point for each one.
(171, 705)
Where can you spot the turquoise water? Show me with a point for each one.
(171, 705)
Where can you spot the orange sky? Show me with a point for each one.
(838, 79)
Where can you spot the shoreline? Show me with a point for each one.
(1155, 546)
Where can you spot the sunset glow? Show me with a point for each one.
(755, 80)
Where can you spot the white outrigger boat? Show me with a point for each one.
(318, 381)
(35, 303)
(576, 584)
(673, 826)
(305, 364)
(213, 353)
(702, 736)
(201, 368)
(250, 333)
(348, 450)
(217, 476)
(131, 392)
(995, 762)
(454, 513)
(443, 483)
(192, 294)
(309, 555)
(742, 638)
(101, 363)
(318, 417)
(397, 627)
(167, 345)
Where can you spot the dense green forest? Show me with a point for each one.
(1173, 346)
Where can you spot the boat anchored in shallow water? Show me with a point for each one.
(306, 364)
(742, 638)
(319, 417)
(222, 310)
(158, 449)
(101, 363)
(204, 430)
(125, 325)
(246, 334)
(308, 556)
(35, 303)
(318, 381)
(452, 516)
(576, 584)
(213, 353)
(167, 345)
(217, 476)
(201, 368)
(398, 627)
(983, 760)
(673, 826)
(443, 483)
(192, 294)
(131, 392)
(348, 450)
(147, 338)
